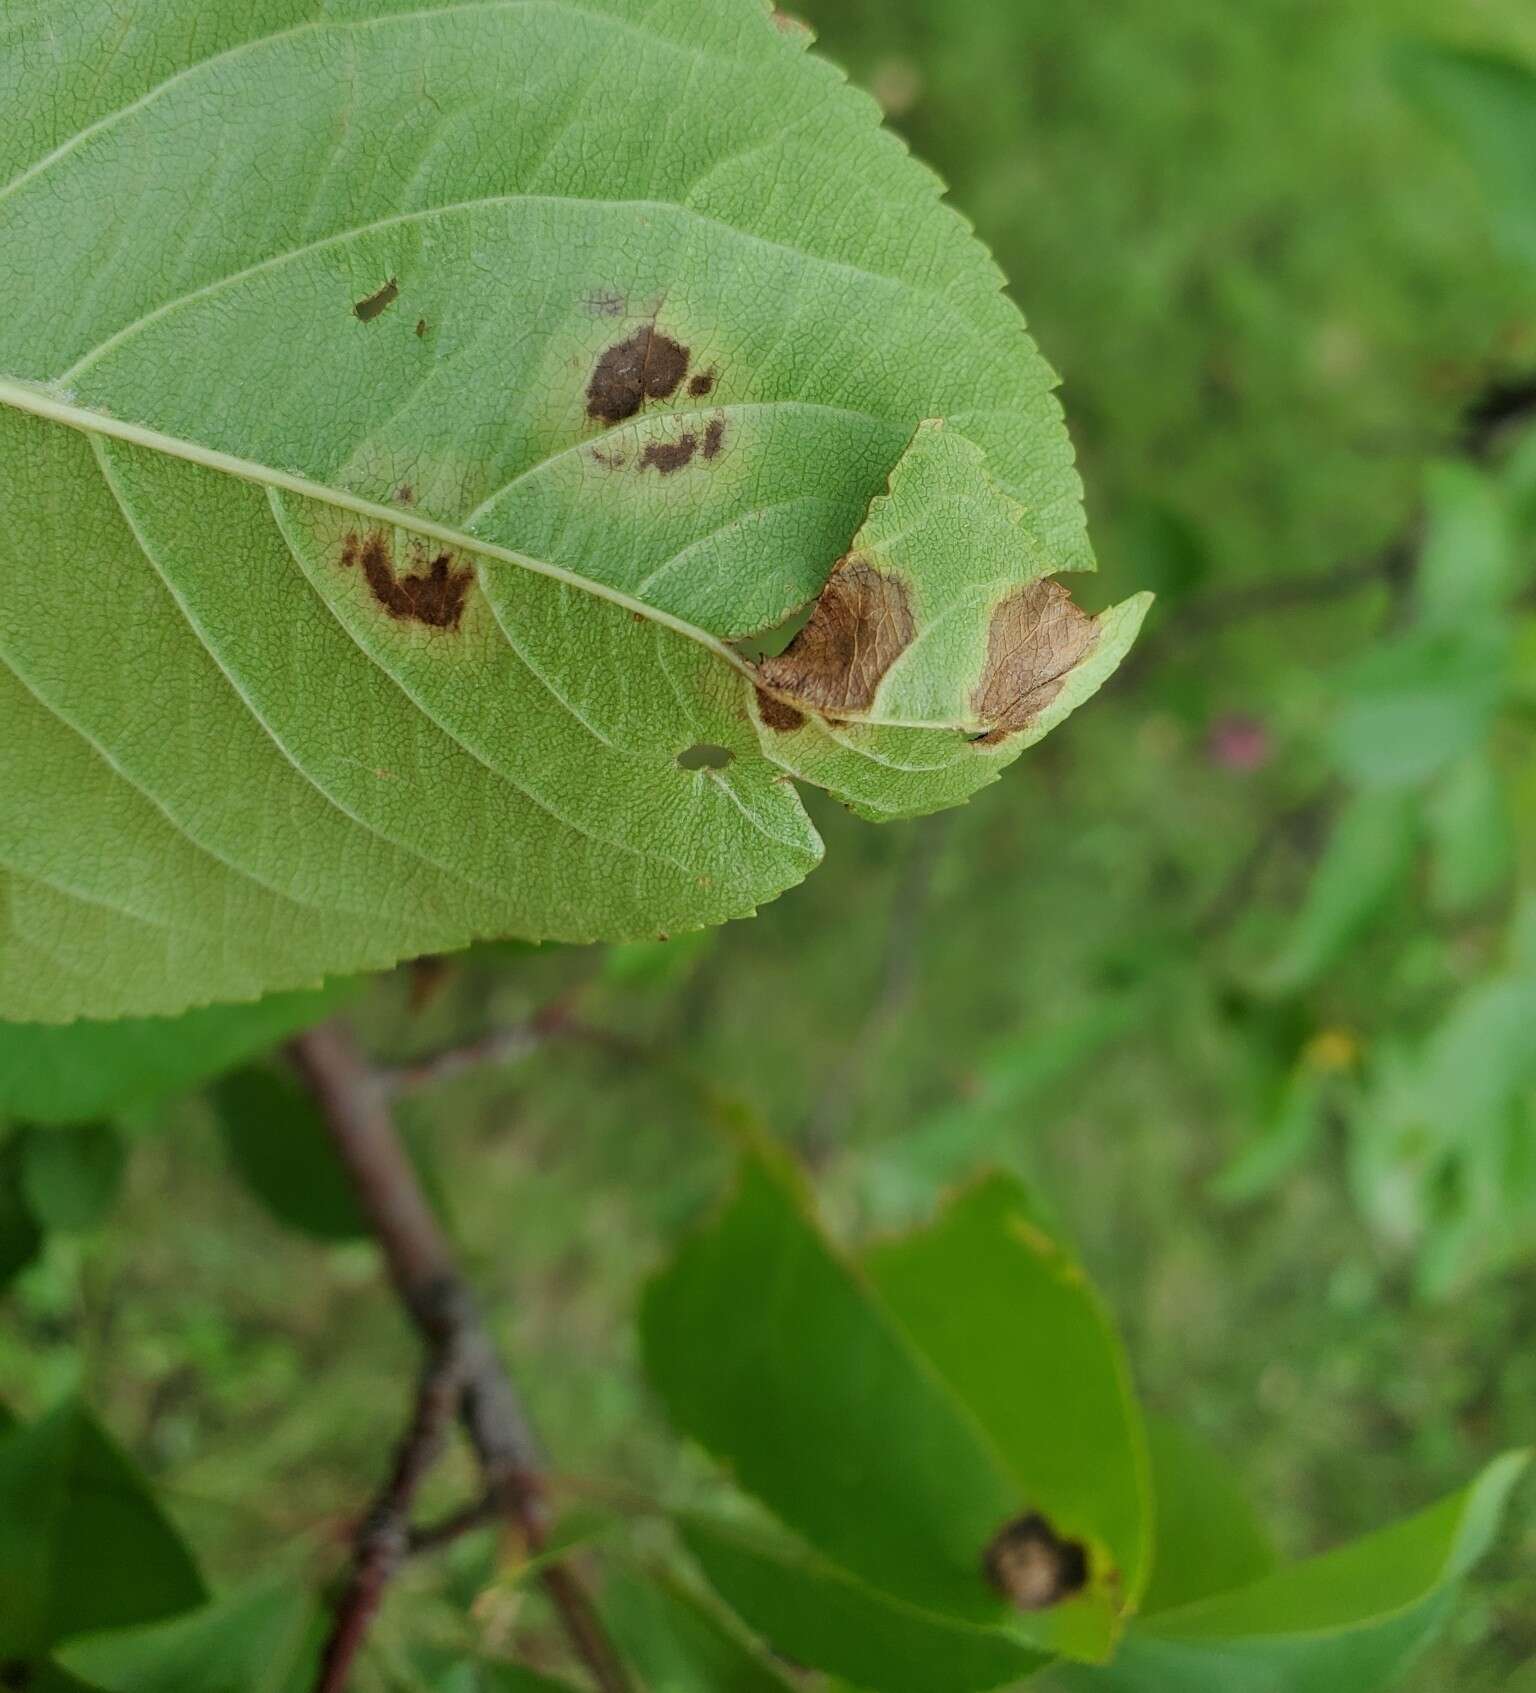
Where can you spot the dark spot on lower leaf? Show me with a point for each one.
(421, 326)
(714, 437)
(1032, 1566)
(667, 456)
(647, 365)
(432, 594)
(368, 309)
(701, 384)
(609, 461)
(1038, 636)
(777, 715)
(860, 625)
(705, 756)
(405, 494)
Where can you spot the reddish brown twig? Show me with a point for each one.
(464, 1367)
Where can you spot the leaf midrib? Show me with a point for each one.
(39, 402)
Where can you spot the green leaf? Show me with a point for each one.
(1208, 1538)
(71, 1176)
(1471, 834)
(1368, 855)
(1468, 564)
(387, 533)
(1008, 1320)
(1349, 1621)
(677, 1644)
(85, 1070)
(1488, 104)
(21, 1236)
(82, 1543)
(261, 1639)
(1414, 705)
(277, 1140)
(860, 1416)
(816, 1613)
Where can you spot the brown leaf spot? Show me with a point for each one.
(433, 595)
(777, 715)
(667, 456)
(701, 384)
(421, 327)
(1037, 637)
(1032, 1566)
(714, 437)
(861, 625)
(647, 365)
(405, 494)
(609, 461)
(368, 309)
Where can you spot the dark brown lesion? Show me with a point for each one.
(778, 714)
(1038, 637)
(647, 365)
(701, 384)
(1032, 1566)
(861, 624)
(432, 594)
(666, 457)
(368, 308)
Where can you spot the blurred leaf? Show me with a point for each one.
(83, 1545)
(676, 1644)
(21, 1239)
(261, 1639)
(815, 1613)
(1164, 551)
(642, 965)
(1413, 705)
(69, 1073)
(1208, 1538)
(1368, 855)
(1285, 1141)
(1011, 1324)
(900, 1177)
(51, 1677)
(1471, 840)
(871, 1430)
(1488, 104)
(71, 1177)
(1346, 1622)
(277, 1140)
(1466, 566)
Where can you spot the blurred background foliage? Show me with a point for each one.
(1239, 967)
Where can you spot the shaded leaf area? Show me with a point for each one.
(261, 1639)
(51, 1074)
(1348, 1621)
(276, 1139)
(83, 1545)
(548, 414)
(873, 1432)
(674, 1640)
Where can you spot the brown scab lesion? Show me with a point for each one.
(1033, 1567)
(778, 715)
(701, 384)
(861, 624)
(432, 594)
(647, 365)
(667, 457)
(371, 305)
(1037, 638)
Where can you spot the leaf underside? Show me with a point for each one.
(406, 407)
